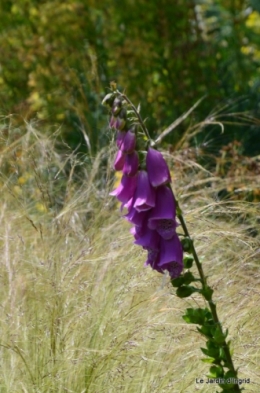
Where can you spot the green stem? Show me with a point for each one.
(212, 305)
(145, 130)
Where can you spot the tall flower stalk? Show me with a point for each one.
(145, 192)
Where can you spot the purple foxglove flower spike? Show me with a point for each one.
(162, 217)
(128, 143)
(157, 168)
(119, 161)
(126, 189)
(171, 256)
(145, 194)
(131, 164)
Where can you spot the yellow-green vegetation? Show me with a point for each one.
(58, 58)
(79, 312)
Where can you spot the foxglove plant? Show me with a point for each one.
(145, 191)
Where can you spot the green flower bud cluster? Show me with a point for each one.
(122, 118)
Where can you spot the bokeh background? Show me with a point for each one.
(59, 57)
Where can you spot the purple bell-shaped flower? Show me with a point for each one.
(171, 256)
(157, 168)
(162, 217)
(126, 189)
(145, 193)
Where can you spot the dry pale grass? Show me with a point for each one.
(79, 312)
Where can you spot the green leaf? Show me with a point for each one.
(177, 282)
(188, 278)
(205, 331)
(218, 335)
(198, 316)
(208, 360)
(207, 293)
(212, 353)
(188, 262)
(222, 354)
(186, 291)
(216, 372)
(187, 245)
(230, 374)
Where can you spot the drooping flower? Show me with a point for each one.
(171, 256)
(131, 164)
(145, 193)
(150, 241)
(126, 189)
(119, 161)
(135, 217)
(152, 259)
(128, 143)
(162, 216)
(157, 168)
(120, 136)
(134, 230)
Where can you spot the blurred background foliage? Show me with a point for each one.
(59, 57)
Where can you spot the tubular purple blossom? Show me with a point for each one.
(128, 143)
(120, 136)
(145, 193)
(148, 239)
(157, 168)
(134, 231)
(162, 217)
(171, 256)
(152, 259)
(119, 161)
(131, 164)
(135, 217)
(126, 189)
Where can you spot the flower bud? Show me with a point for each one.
(108, 100)
(121, 119)
(112, 122)
(117, 105)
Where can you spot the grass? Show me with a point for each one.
(79, 312)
